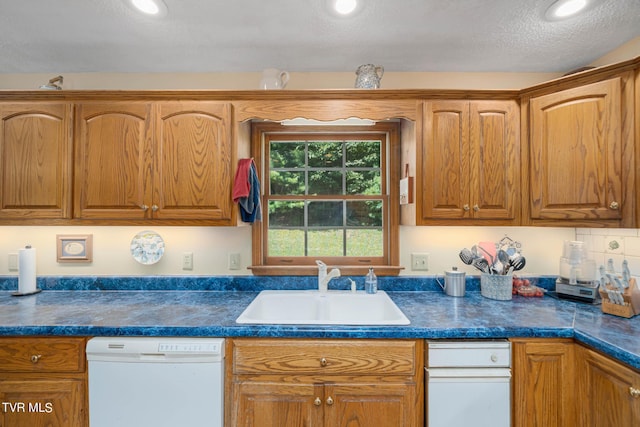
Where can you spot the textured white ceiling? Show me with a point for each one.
(74, 36)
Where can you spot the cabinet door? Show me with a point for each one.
(495, 153)
(446, 174)
(266, 404)
(576, 153)
(35, 160)
(543, 378)
(371, 405)
(42, 403)
(193, 161)
(608, 391)
(113, 160)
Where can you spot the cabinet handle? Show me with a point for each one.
(35, 358)
(466, 208)
(323, 362)
(317, 402)
(329, 401)
(154, 208)
(144, 207)
(614, 206)
(476, 208)
(634, 392)
(494, 358)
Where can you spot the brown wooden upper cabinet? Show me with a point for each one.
(581, 154)
(470, 162)
(35, 160)
(154, 160)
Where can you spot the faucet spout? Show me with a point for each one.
(323, 277)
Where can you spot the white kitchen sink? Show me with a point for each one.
(330, 308)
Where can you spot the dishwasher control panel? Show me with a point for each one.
(188, 347)
(469, 354)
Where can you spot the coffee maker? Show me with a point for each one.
(577, 279)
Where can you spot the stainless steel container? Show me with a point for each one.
(454, 282)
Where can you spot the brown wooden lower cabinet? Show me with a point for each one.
(43, 382)
(543, 377)
(608, 391)
(313, 383)
(557, 382)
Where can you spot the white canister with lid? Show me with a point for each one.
(454, 282)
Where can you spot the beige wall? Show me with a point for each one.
(628, 50)
(211, 245)
(250, 81)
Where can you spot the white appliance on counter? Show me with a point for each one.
(156, 382)
(468, 383)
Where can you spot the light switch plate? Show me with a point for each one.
(187, 261)
(234, 261)
(420, 262)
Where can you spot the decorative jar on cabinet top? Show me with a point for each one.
(368, 76)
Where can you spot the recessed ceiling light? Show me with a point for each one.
(345, 7)
(562, 9)
(150, 7)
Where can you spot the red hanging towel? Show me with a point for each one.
(241, 186)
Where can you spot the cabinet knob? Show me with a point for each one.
(317, 402)
(634, 392)
(144, 207)
(323, 362)
(329, 401)
(35, 358)
(466, 208)
(614, 206)
(494, 358)
(154, 208)
(476, 208)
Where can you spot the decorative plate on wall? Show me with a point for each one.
(147, 247)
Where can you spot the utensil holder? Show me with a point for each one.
(495, 286)
(631, 297)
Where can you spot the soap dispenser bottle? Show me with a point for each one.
(371, 282)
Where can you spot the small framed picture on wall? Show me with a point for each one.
(75, 247)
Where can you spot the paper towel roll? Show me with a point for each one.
(27, 270)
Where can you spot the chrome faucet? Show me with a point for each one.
(323, 277)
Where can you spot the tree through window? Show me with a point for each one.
(325, 196)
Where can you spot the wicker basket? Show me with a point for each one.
(496, 286)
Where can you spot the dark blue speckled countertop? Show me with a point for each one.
(209, 306)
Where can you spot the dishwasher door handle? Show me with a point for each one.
(468, 374)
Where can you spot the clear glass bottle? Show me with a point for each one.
(371, 282)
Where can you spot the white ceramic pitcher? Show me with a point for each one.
(272, 78)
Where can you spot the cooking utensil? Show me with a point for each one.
(620, 291)
(466, 256)
(481, 264)
(518, 262)
(610, 268)
(626, 274)
(603, 284)
(503, 257)
(617, 296)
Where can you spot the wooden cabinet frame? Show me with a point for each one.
(316, 383)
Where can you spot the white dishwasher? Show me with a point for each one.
(156, 382)
(468, 383)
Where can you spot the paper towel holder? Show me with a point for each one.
(27, 281)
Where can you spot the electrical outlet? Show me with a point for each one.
(187, 261)
(420, 262)
(13, 262)
(234, 261)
